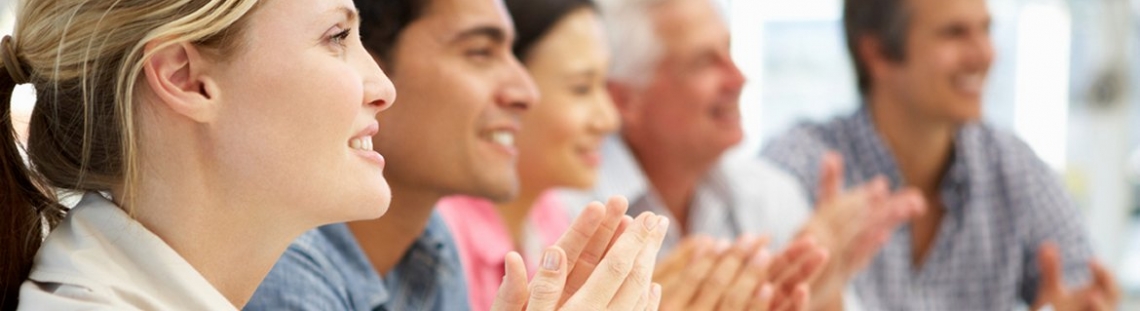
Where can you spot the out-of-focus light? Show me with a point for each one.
(1041, 93)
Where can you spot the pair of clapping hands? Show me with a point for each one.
(607, 260)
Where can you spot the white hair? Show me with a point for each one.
(633, 40)
(634, 45)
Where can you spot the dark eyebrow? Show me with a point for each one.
(495, 33)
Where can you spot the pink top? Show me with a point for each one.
(484, 242)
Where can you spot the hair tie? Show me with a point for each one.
(11, 62)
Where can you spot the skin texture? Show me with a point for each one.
(561, 137)
(250, 146)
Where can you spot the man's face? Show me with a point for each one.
(462, 93)
(948, 55)
(691, 104)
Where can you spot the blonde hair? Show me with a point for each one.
(85, 60)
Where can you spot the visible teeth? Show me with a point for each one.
(503, 138)
(363, 143)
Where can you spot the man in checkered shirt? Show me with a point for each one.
(1000, 231)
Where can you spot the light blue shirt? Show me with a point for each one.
(325, 269)
(1001, 202)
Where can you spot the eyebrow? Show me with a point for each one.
(494, 33)
(350, 13)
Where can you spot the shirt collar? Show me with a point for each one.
(100, 247)
(876, 157)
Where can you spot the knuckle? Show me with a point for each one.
(618, 266)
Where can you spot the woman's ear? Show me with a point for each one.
(178, 76)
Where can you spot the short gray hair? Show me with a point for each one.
(633, 41)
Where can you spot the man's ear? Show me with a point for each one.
(627, 100)
(177, 75)
(870, 51)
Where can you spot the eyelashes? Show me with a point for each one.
(341, 37)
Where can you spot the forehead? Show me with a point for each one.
(449, 17)
(940, 11)
(575, 41)
(689, 24)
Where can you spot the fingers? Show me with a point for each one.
(1105, 283)
(795, 300)
(513, 292)
(1049, 262)
(613, 270)
(606, 230)
(743, 290)
(680, 291)
(678, 259)
(581, 231)
(546, 288)
(762, 300)
(800, 263)
(639, 281)
(654, 298)
(727, 269)
(831, 177)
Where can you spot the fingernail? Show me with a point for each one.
(651, 223)
(762, 258)
(655, 292)
(663, 222)
(766, 292)
(551, 261)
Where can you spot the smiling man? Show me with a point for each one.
(1000, 229)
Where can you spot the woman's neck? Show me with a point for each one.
(212, 229)
(516, 213)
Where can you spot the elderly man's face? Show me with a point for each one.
(691, 104)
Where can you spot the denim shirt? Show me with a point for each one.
(1001, 202)
(325, 269)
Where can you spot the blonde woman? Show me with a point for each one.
(206, 134)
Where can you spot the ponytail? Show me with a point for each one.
(25, 208)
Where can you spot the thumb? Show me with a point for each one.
(513, 293)
(1051, 284)
(830, 177)
(546, 288)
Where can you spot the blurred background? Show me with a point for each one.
(1065, 80)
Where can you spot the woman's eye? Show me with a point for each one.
(341, 37)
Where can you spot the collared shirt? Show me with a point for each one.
(325, 269)
(100, 258)
(484, 241)
(1001, 202)
(734, 198)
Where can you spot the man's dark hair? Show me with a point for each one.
(534, 18)
(383, 21)
(884, 20)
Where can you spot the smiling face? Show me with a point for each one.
(947, 57)
(462, 98)
(299, 105)
(560, 144)
(690, 108)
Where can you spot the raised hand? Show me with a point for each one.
(853, 225)
(1101, 294)
(621, 279)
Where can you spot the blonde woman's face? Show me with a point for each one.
(559, 144)
(300, 99)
